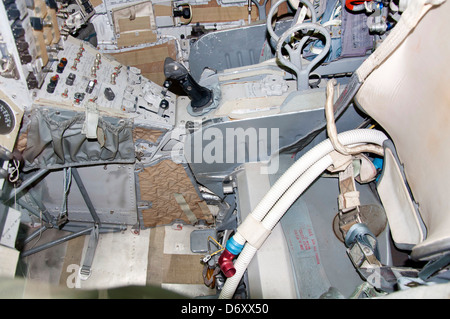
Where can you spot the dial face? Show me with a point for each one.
(7, 119)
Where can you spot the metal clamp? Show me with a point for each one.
(362, 245)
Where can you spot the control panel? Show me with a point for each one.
(42, 65)
(82, 74)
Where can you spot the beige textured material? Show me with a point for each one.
(134, 24)
(166, 268)
(41, 48)
(162, 10)
(409, 96)
(349, 197)
(186, 269)
(47, 30)
(149, 60)
(158, 184)
(129, 39)
(135, 17)
(155, 256)
(56, 35)
(96, 3)
(150, 135)
(211, 12)
(40, 9)
(185, 207)
(138, 23)
(340, 162)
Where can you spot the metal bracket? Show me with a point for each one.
(85, 270)
(362, 251)
(62, 220)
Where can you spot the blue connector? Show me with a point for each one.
(378, 163)
(233, 246)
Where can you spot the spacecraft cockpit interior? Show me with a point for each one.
(225, 149)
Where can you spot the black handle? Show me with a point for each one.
(201, 97)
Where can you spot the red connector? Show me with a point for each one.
(226, 263)
(351, 3)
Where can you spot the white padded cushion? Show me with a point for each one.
(409, 96)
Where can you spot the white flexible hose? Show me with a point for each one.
(241, 264)
(332, 131)
(302, 164)
(272, 218)
(409, 20)
(294, 192)
(288, 188)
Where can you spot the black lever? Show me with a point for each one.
(201, 97)
(184, 12)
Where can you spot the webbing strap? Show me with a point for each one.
(185, 207)
(349, 213)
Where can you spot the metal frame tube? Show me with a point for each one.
(35, 234)
(85, 194)
(27, 183)
(31, 209)
(56, 242)
(34, 197)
